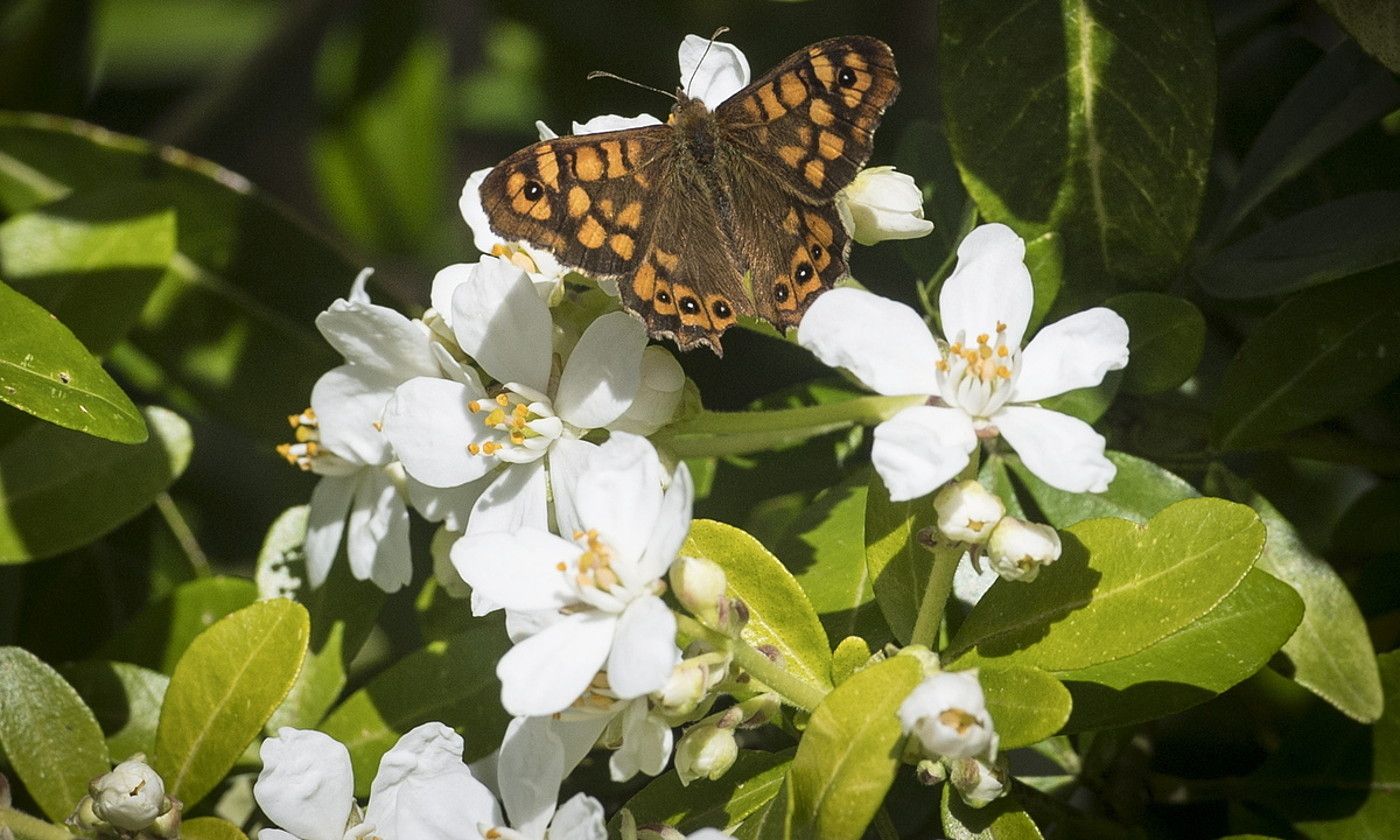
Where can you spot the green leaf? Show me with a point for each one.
(49, 735)
(1117, 588)
(1056, 112)
(1372, 24)
(224, 689)
(1045, 260)
(452, 681)
(1321, 244)
(922, 152)
(850, 655)
(91, 258)
(724, 803)
(1226, 646)
(1139, 491)
(62, 489)
(1027, 705)
(46, 371)
(210, 828)
(125, 698)
(1320, 354)
(899, 566)
(779, 613)
(159, 635)
(1330, 654)
(849, 752)
(1003, 819)
(1166, 336)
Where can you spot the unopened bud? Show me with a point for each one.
(978, 783)
(684, 690)
(699, 585)
(706, 751)
(931, 771)
(967, 511)
(130, 797)
(947, 713)
(1018, 549)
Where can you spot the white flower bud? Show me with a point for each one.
(659, 395)
(948, 714)
(706, 751)
(979, 784)
(882, 204)
(684, 690)
(699, 585)
(1017, 549)
(967, 511)
(130, 797)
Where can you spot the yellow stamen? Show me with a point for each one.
(490, 447)
(1003, 371)
(474, 449)
(495, 418)
(1001, 328)
(502, 400)
(473, 406)
(983, 338)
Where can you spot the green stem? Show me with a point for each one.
(793, 689)
(25, 827)
(935, 600)
(737, 432)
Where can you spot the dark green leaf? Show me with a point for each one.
(723, 803)
(1003, 819)
(1045, 260)
(158, 636)
(1373, 24)
(126, 700)
(1138, 492)
(899, 566)
(1166, 336)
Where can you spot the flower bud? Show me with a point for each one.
(948, 715)
(706, 751)
(659, 395)
(978, 783)
(684, 690)
(882, 204)
(967, 511)
(130, 797)
(699, 585)
(1017, 549)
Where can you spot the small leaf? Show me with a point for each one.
(1117, 588)
(48, 734)
(852, 654)
(159, 635)
(1003, 819)
(1320, 354)
(849, 752)
(779, 613)
(1139, 491)
(62, 489)
(1371, 24)
(47, 372)
(1027, 705)
(723, 803)
(125, 698)
(210, 828)
(899, 566)
(1166, 336)
(225, 687)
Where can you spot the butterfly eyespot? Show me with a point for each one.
(690, 305)
(534, 191)
(816, 251)
(803, 273)
(664, 297)
(780, 292)
(721, 309)
(846, 78)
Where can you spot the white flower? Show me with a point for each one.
(948, 715)
(705, 751)
(339, 438)
(1018, 549)
(980, 382)
(450, 433)
(967, 511)
(882, 204)
(607, 579)
(130, 797)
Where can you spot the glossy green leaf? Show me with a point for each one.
(225, 687)
(60, 489)
(851, 654)
(723, 803)
(1055, 112)
(125, 698)
(1166, 336)
(1117, 588)
(452, 681)
(849, 753)
(1320, 354)
(1373, 24)
(210, 828)
(1027, 705)
(1003, 819)
(779, 613)
(899, 566)
(46, 371)
(1330, 654)
(1138, 492)
(1225, 647)
(1045, 260)
(48, 734)
(158, 636)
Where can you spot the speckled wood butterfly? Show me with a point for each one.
(715, 214)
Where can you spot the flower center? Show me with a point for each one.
(977, 376)
(307, 432)
(521, 426)
(595, 564)
(957, 719)
(516, 257)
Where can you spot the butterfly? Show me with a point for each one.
(714, 214)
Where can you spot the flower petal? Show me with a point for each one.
(567, 460)
(445, 284)
(452, 506)
(883, 204)
(612, 122)
(349, 402)
(619, 495)
(920, 448)
(989, 286)
(723, 72)
(1072, 353)
(325, 524)
(424, 791)
(516, 498)
(1062, 451)
(547, 672)
(518, 570)
(475, 213)
(378, 541)
(377, 337)
(646, 744)
(885, 344)
(307, 784)
(672, 525)
(429, 425)
(659, 394)
(530, 770)
(500, 321)
(601, 378)
(579, 731)
(580, 818)
(644, 648)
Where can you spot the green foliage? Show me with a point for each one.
(210, 828)
(1166, 336)
(899, 566)
(1027, 704)
(158, 636)
(726, 802)
(125, 699)
(1001, 820)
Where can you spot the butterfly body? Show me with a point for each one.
(714, 214)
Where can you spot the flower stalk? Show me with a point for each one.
(738, 432)
(794, 690)
(25, 827)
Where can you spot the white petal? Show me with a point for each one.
(885, 344)
(548, 671)
(451, 506)
(325, 524)
(644, 648)
(349, 402)
(277, 834)
(600, 379)
(620, 495)
(500, 321)
(1062, 451)
(883, 204)
(920, 448)
(515, 499)
(424, 791)
(378, 542)
(445, 284)
(646, 744)
(612, 122)
(989, 286)
(377, 337)
(519, 570)
(658, 395)
(567, 460)
(475, 214)
(969, 585)
(579, 732)
(1072, 353)
(306, 785)
(724, 72)
(580, 818)
(672, 525)
(429, 425)
(530, 771)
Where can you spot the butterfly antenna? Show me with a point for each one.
(603, 74)
(696, 71)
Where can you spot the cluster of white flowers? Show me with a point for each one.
(947, 721)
